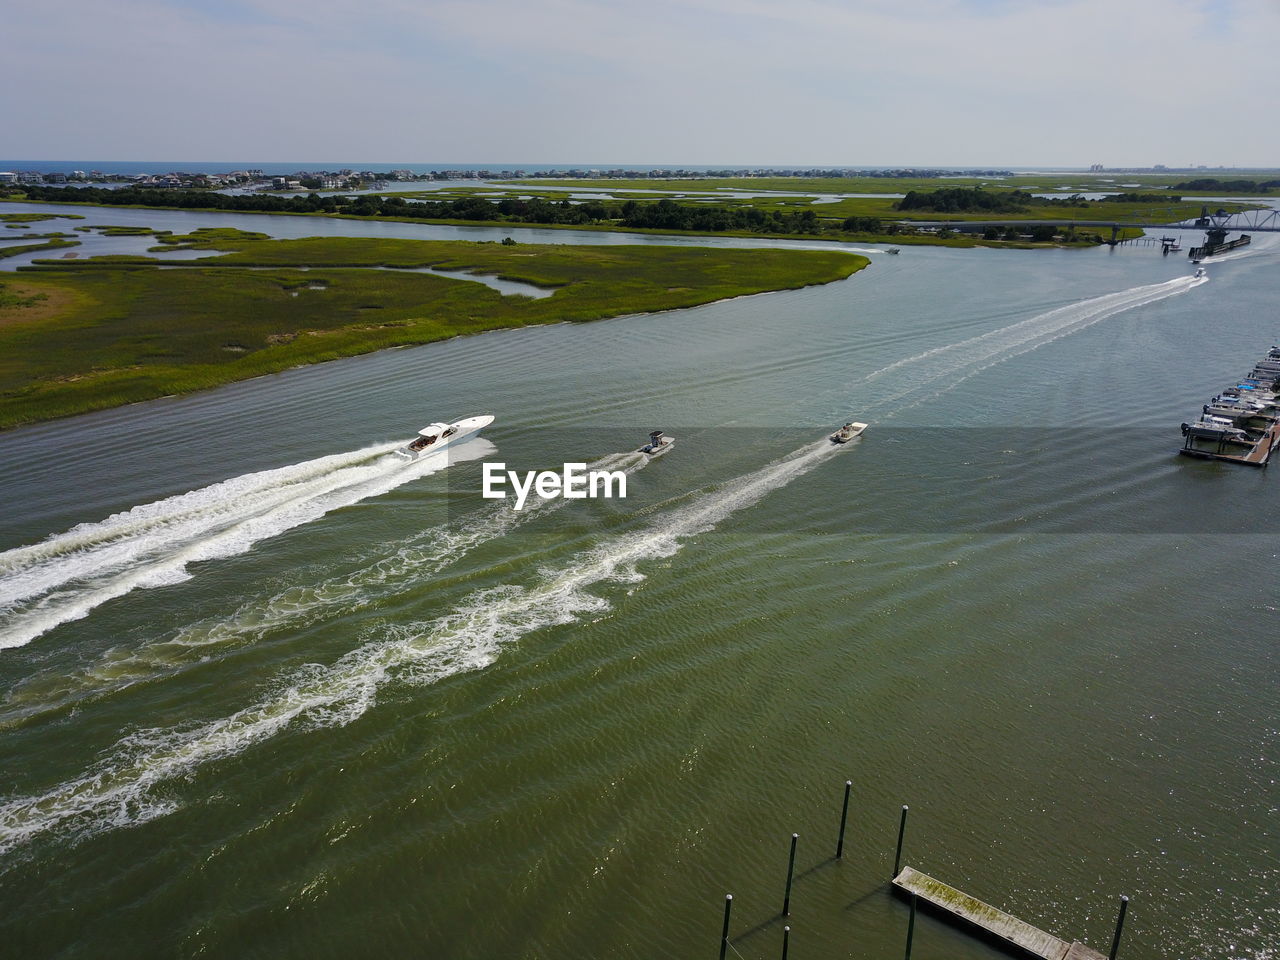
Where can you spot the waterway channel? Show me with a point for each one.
(265, 691)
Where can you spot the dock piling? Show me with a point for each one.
(791, 869)
(902, 829)
(911, 927)
(1115, 941)
(786, 936)
(844, 817)
(724, 933)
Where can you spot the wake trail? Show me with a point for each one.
(118, 791)
(425, 553)
(926, 375)
(66, 576)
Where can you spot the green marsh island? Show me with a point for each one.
(87, 334)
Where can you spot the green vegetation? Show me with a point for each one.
(211, 238)
(966, 200)
(110, 231)
(116, 331)
(53, 244)
(1208, 184)
(20, 218)
(863, 219)
(11, 301)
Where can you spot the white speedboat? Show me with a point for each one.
(1234, 409)
(434, 437)
(848, 432)
(659, 443)
(1200, 272)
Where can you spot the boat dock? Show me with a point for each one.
(1241, 424)
(1256, 456)
(1011, 932)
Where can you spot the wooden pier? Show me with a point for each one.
(1256, 456)
(1018, 935)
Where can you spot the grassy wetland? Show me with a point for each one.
(90, 334)
(708, 208)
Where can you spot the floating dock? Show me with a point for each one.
(1018, 935)
(1241, 424)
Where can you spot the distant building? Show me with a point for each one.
(1097, 168)
(8, 177)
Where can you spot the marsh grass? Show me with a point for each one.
(53, 244)
(130, 332)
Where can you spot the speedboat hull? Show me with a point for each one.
(456, 433)
(659, 443)
(849, 431)
(1218, 429)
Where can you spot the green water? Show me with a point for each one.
(327, 707)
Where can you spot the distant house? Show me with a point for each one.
(8, 177)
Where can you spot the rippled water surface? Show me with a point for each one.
(266, 691)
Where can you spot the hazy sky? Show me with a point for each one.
(875, 82)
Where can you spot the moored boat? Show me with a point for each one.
(1209, 427)
(435, 437)
(1238, 410)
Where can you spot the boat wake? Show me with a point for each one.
(402, 566)
(924, 376)
(66, 576)
(119, 790)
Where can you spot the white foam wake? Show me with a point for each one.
(913, 379)
(425, 553)
(118, 791)
(66, 576)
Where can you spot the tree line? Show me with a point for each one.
(1227, 186)
(663, 214)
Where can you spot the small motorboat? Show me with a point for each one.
(1200, 272)
(893, 251)
(434, 437)
(659, 443)
(1222, 429)
(1234, 411)
(848, 432)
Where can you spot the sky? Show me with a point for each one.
(610, 82)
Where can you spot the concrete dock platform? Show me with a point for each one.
(1017, 935)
